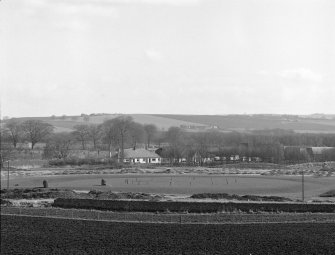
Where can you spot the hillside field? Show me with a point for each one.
(222, 122)
(256, 122)
(66, 124)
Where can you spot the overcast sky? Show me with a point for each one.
(167, 56)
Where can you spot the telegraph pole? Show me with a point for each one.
(7, 175)
(303, 185)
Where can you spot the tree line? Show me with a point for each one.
(120, 132)
(175, 143)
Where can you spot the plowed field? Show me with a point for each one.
(29, 235)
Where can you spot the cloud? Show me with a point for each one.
(70, 7)
(301, 74)
(86, 9)
(76, 14)
(41, 3)
(153, 55)
(71, 24)
(166, 2)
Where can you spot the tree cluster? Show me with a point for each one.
(176, 144)
(33, 131)
(118, 133)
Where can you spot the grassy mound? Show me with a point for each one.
(330, 193)
(37, 193)
(103, 195)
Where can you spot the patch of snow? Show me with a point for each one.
(81, 191)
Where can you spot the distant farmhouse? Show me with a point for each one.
(141, 155)
(313, 153)
(317, 153)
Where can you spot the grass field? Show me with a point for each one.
(227, 122)
(161, 122)
(286, 186)
(30, 235)
(245, 122)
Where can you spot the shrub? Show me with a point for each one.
(84, 161)
(45, 184)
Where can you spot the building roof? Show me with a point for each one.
(320, 150)
(139, 153)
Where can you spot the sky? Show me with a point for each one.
(167, 56)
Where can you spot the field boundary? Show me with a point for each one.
(159, 222)
(170, 218)
(192, 207)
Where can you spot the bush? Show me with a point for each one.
(237, 197)
(84, 161)
(191, 207)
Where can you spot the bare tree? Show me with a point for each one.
(6, 150)
(176, 139)
(94, 132)
(123, 125)
(15, 131)
(82, 134)
(58, 146)
(36, 131)
(151, 131)
(109, 134)
(202, 143)
(137, 133)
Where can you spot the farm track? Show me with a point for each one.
(185, 218)
(39, 235)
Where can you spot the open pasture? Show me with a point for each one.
(287, 186)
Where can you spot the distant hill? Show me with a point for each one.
(260, 121)
(66, 123)
(244, 123)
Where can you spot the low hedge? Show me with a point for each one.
(83, 161)
(191, 207)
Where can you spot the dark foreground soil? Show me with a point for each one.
(29, 235)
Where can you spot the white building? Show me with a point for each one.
(140, 155)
